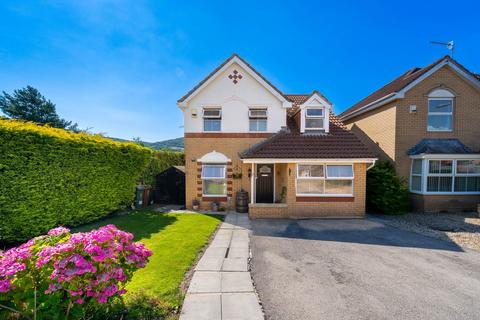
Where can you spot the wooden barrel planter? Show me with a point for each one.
(242, 201)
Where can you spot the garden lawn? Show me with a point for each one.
(175, 240)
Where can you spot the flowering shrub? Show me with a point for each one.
(56, 274)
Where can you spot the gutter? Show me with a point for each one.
(377, 103)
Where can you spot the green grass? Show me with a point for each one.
(175, 240)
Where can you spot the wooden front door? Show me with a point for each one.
(264, 185)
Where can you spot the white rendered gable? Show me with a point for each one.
(235, 89)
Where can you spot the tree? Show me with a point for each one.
(30, 105)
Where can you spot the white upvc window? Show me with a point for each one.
(324, 180)
(440, 114)
(214, 181)
(416, 176)
(314, 119)
(212, 119)
(257, 119)
(445, 176)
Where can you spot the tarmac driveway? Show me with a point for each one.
(360, 269)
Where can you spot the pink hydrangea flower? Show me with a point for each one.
(93, 264)
(58, 231)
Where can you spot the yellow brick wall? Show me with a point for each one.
(376, 129)
(195, 148)
(412, 127)
(300, 209)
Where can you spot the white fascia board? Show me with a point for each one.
(442, 63)
(372, 105)
(318, 97)
(339, 160)
(401, 94)
(459, 156)
(285, 102)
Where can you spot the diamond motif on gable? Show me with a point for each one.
(235, 76)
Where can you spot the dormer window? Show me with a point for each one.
(257, 119)
(212, 119)
(314, 119)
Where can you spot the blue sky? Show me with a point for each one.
(118, 67)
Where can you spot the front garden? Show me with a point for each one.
(70, 278)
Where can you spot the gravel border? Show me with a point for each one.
(462, 228)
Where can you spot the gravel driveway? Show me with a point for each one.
(361, 269)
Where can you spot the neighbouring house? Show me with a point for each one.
(289, 151)
(426, 122)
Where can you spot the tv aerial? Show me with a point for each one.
(450, 45)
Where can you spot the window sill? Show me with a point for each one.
(445, 193)
(214, 198)
(334, 198)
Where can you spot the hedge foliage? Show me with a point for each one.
(386, 192)
(51, 177)
(162, 160)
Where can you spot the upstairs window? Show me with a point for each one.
(214, 179)
(257, 119)
(314, 119)
(212, 119)
(440, 114)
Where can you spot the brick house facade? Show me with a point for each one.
(289, 152)
(392, 127)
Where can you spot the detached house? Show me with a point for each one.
(288, 151)
(426, 122)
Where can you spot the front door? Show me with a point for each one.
(264, 186)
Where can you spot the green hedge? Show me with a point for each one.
(162, 160)
(51, 177)
(386, 192)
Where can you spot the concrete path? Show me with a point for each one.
(221, 286)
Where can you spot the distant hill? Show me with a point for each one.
(171, 144)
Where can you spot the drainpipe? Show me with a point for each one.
(371, 166)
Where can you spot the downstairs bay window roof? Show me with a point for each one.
(440, 146)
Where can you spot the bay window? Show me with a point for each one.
(324, 179)
(445, 176)
(416, 179)
(214, 180)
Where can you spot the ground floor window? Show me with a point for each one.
(445, 176)
(324, 179)
(214, 180)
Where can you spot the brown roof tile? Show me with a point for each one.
(338, 143)
(398, 84)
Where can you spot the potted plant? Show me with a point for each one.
(195, 204)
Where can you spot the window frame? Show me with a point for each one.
(203, 178)
(314, 117)
(325, 178)
(257, 118)
(210, 118)
(454, 174)
(450, 113)
(412, 174)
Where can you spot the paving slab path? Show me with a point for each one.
(221, 287)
